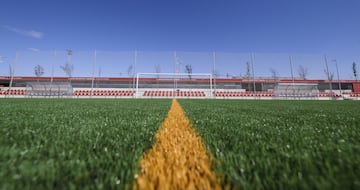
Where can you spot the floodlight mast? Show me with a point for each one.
(292, 75)
(52, 71)
(211, 87)
(253, 73)
(174, 69)
(69, 53)
(12, 71)
(93, 75)
(328, 75)
(214, 69)
(134, 70)
(137, 85)
(338, 74)
(177, 63)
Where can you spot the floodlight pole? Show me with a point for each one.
(175, 72)
(214, 69)
(253, 73)
(69, 53)
(292, 75)
(13, 69)
(93, 75)
(328, 75)
(176, 62)
(211, 87)
(137, 85)
(134, 70)
(338, 74)
(52, 71)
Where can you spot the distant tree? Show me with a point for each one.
(248, 74)
(68, 69)
(188, 69)
(10, 70)
(274, 74)
(303, 72)
(329, 75)
(355, 71)
(130, 71)
(99, 75)
(216, 73)
(248, 70)
(157, 70)
(39, 71)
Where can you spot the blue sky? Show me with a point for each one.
(314, 27)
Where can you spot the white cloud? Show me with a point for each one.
(29, 33)
(33, 49)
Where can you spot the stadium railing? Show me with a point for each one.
(104, 93)
(242, 94)
(171, 93)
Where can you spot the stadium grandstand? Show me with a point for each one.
(51, 89)
(152, 87)
(217, 75)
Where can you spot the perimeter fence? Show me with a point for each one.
(71, 63)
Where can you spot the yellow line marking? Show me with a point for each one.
(178, 159)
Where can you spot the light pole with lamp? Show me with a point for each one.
(69, 53)
(338, 75)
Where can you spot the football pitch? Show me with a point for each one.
(98, 143)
